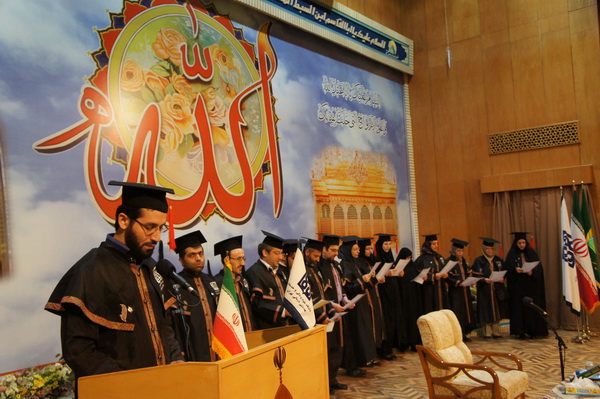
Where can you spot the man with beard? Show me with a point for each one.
(201, 310)
(111, 307)
(232, 253)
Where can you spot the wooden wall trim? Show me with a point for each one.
(537, 179)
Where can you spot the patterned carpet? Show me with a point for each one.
(403, 377)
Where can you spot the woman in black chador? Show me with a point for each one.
(524, 320)
(391, 301)
(412, 300)
(461, 301)
(435, 294)
(365, 262)
(360, 318)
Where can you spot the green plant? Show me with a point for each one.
(49, 382)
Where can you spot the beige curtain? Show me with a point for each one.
(538, 212)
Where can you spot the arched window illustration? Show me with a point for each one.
(325, 218)
(353, 226)
(378, 220)
(365, 222)
(388, 217)
(338, 221)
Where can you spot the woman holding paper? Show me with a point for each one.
(365, 265)
(491, 292)
(412, 299)
(362, 351)
(525, 281)
(459, 288)
(391, 301)
(435, 294)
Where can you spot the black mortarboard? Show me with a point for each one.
(459, 243)
(193, 239)
(350, 240)
(144, 195)
(365, 242)
(314, 244)
(224, 247)
(290, 245)
(520, 235)
(330, 239)
(383, 237)
(430, 237)
(273, 240)
(489, 242)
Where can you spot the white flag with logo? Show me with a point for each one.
(297, 300)
(569, 272)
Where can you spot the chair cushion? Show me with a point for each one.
(441, 332)
(512, 384)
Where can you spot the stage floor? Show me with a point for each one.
(403, 377)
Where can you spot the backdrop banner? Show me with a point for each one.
(255, 124)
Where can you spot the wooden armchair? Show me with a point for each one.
(449, 367)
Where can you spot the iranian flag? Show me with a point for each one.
(588, 292)
(228, 337)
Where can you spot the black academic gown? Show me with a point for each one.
(112, 314)
(374, 302)
(242, 289)
(461, 300)
(359, 320)
(391, 303)
(524, 319)
(268, 292)
(199, 316)
(333, 281)
(412, 303)
(317, 293)
(492, 304)
(435, 294)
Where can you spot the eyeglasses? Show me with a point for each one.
(152, 228)
(239, 259)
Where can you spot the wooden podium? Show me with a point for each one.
(252, 374)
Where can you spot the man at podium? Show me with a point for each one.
(110, 303)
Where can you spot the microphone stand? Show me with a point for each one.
(184, 330)
(561, 346)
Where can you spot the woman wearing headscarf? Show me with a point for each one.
(412, 300)
(491, 295)
(435, 294)
(523, 319)
(365, 266)
(361, 352)
(461, 301)
(391, 300)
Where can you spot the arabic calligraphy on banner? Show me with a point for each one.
(182, 101)
(350, 28)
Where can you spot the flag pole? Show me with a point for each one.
(581, 337)
(578, 338)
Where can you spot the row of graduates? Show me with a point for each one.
(113, 303)
(495, 300)
(340, 268)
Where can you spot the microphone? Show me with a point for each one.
(167, 270)
(527, 301)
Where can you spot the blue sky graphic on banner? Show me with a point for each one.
(334, 113)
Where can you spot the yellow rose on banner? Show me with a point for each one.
(168, 45)
(132, 76)
(178, 108)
